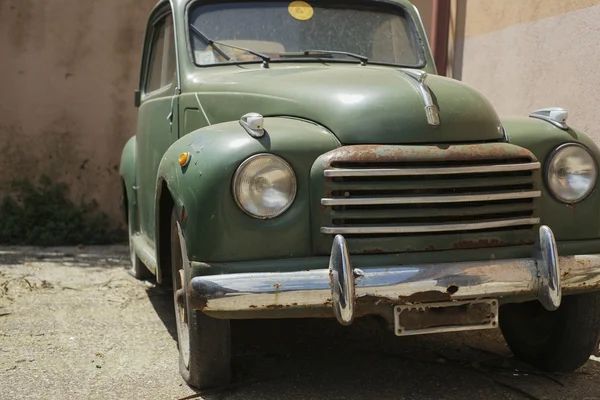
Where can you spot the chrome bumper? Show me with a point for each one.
(341, 287)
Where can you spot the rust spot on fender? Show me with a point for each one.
(183, 214)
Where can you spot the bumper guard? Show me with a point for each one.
(544, 276)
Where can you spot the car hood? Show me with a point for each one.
(358, 104)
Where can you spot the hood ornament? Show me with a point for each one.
(433, 115)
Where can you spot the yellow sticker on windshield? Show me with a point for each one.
(301, 10)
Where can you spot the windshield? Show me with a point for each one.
(382, 32)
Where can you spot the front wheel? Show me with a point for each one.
(559, 341)
(204, 343)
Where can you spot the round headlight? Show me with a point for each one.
(264, 186)
(572, 173)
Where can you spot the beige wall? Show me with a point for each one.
(425, 8)
(68, 70)
(529, 54)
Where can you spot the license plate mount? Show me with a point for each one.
(454, 316)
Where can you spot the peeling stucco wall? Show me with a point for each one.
(69, 69)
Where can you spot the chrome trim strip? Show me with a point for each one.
(431, 110)
(357, 230)
(339, 172)
(369, 201)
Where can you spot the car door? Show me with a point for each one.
(157, 126)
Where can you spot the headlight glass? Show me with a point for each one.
(264, 186)
(572, 173)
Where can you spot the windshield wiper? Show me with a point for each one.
(266, 59)
(363, 60)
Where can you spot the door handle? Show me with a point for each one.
(171, 113)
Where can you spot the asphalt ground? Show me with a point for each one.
(75, 325)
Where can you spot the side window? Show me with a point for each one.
(161, 66)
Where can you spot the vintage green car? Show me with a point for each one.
(299, 160)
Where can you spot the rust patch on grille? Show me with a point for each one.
(375, 251)
(419, 156)
(392, 153)
(477, 244)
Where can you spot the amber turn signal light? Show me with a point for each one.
(184, 159)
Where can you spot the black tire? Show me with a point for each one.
(137, 269)
(205, 359)
(558, 341)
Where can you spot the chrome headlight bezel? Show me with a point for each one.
(548, 165)
(240, 169)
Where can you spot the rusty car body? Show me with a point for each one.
(304, 159)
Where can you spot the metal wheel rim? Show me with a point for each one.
(183, 333)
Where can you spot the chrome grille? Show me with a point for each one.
(431, 192)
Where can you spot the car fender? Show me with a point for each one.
(577, 221)
(215, 228)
